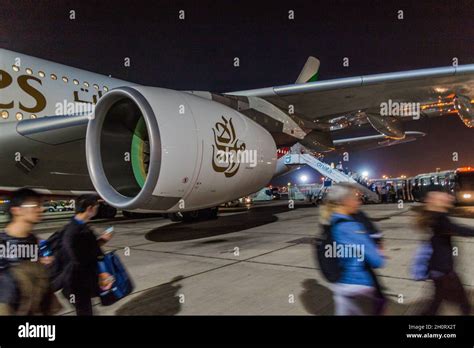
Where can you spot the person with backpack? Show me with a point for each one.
(346, 252)
(377, 236)
(81, 250)
(24, 279)
(433, 218)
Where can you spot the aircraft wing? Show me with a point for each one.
(54, 130)
(341, 103)
(46, 153)
(376, 141)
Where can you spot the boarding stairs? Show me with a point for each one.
(327, 171)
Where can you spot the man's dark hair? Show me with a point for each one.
(19, 197)
(85, 201)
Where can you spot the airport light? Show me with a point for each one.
(303, 178)
(384, 177)
(365, 174)
(289, 184)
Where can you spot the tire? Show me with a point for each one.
(110, 212)
(191, 216)
(214, 213)
(176, 217)
(105, 212)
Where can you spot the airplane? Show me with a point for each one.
(67, 131)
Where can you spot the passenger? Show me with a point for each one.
(399, 195)
(355, 292)
(26, 288)
(81, 250)
(377, 237)
(391, 194)
(377, 191)
(383, 194)
(434, 218)
(416, 192)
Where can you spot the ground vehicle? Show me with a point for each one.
(4, 205)
(53, 207)
(391, 190)
(459, 182)
(464, 185)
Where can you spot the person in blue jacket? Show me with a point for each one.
(355, 292)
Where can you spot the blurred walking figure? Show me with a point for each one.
(434, 219)
(377, 236)
(25, 287)
(81, 248)
(355, 288)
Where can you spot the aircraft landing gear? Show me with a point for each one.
(105, 211)
(195, 215)
(134, 215)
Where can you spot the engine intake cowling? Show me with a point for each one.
(154, 149)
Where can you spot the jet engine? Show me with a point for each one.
(318, 141)
(154, 149)
(387, 125)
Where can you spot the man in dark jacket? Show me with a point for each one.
(81, 250)
(434, 218)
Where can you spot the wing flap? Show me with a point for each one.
(316, 100)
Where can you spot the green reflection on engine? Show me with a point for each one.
(140, 153)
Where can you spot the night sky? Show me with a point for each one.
(198, 53)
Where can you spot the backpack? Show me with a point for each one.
(420, 267)
(56, 268)
(114, 281)
(330, 266)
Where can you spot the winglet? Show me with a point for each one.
(309, 73)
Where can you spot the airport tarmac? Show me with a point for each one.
(256, 261)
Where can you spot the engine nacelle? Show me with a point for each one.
(387, 125)
(154, 149)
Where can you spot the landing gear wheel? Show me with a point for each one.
(191, 216)
(202, 214)
(106, 211)
(213, 213)
(176, 216)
